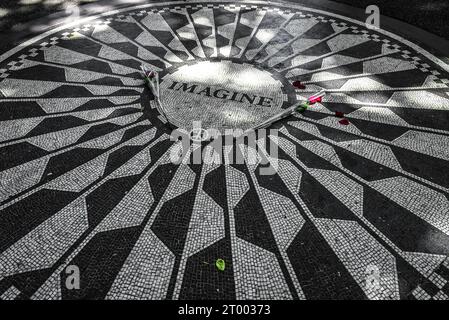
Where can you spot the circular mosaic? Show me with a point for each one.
(220, 94)
(358, 207)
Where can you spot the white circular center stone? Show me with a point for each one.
(220, 94)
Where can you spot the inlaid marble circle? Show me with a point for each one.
(221, 95)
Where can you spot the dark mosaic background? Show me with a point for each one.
(86, 177)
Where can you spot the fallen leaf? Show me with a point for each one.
(220, 264)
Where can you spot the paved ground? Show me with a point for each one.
(431, 15)
(355, 211)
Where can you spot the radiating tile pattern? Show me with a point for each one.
(358, 211)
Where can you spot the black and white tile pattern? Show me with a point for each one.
(86, 177)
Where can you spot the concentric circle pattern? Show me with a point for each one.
(356, 210)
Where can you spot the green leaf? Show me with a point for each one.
(303, 107)
(220, 264)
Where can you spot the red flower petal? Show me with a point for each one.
(315, 100)
(339, 114)
(299, 85)
(344, 122)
